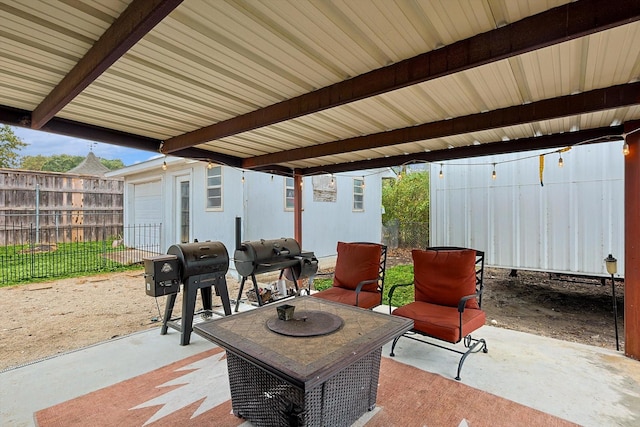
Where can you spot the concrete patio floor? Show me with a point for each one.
(583, 384)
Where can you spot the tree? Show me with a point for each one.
(406, 203)
(10, 145)
(406, 199)
(112, 164)
(33, 163)
(61, 163)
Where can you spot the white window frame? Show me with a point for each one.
(288, 187)
(208, 187)
(358, 190)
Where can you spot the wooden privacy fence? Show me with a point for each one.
(52, 202)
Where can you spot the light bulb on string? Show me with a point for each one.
(164, 165)
(332, 183)
(560, 162)
(210, 165)
(493, 174)
(441, 175)
(625, 149)
(362, 181)
(242, 177)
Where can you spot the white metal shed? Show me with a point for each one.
(569, 225)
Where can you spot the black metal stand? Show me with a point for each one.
(257, 290)
(615, 309)
(190, 289)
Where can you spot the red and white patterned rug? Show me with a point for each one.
(195, 392)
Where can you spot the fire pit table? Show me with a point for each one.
(279, 375)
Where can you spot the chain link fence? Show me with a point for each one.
(56, 245)
(406, 235)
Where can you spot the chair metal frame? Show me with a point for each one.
(381, 272)
(472, 345)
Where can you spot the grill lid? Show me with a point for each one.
(200, 258)
(262, 256)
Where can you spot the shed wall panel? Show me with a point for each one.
(569, 225)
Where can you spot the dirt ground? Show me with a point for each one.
(48, 318)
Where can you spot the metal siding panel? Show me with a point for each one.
(568, 226)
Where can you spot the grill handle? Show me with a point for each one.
(283, 251)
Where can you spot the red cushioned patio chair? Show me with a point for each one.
(359, 275)
(448, 297)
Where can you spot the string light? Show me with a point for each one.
(625, 149)
(210, 165)
(164, 165)
(441, 175)
(242, 177)
(493, 174)
(362, 181)
(332, 183)
(560, 162)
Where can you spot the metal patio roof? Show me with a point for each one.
(323, 86)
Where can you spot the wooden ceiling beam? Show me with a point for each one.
(567, 22)
(587, 102)
(562, 140)
(132, 25)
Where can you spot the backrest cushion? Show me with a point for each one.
(443, 277)
(357, 262)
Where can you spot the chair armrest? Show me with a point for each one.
(360, 285)
(392, 289)
(364, 282)
(463, 301)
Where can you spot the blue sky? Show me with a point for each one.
(48, 144)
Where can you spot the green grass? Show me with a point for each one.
(395, 275)
(18, 264)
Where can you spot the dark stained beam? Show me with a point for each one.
(586, 102)
(20, 118)
(566, 139)
(631, 244)
(567, 22)
(133, 24)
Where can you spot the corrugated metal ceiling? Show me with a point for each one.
(212, 61)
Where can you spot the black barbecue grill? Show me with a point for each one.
(200, 265)
(264, 256)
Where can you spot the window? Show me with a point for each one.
(288, 194)
(184, 211)
(214, 188)
(358, 194)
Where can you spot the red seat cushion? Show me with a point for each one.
(347, 296)
(440, 321)
(443, 277)
(357, 262)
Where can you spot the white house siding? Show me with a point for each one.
(260, 203)
(569, 225)
(323, 223)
